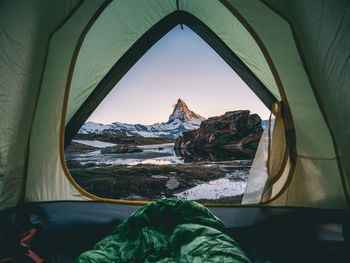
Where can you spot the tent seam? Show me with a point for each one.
(71, 13)
(317, 158)
(317, 98)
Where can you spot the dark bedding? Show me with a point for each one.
(165, 231)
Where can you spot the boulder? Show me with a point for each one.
(233, 130)
(79, 147)
(75, 164)
(121, 149)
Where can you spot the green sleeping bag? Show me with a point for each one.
(165, 231)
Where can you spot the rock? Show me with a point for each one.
(127, 141)
(191, 155)
(121, 149)
(74, 164)
(79, 147)
(135, 197)
(104, 164)
(233, 130)
(178, 143)
(172, 183)
(89, 165)
(159, 177)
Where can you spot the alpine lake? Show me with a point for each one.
(151, 169)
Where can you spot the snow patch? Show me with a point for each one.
(95, 143)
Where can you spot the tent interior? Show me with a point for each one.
(59, 59)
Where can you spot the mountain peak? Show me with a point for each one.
(180, 105)
(181, 112)
(180, 101)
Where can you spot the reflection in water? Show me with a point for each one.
(159, 154)
(190, 155)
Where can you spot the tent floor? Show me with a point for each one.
(267, 234)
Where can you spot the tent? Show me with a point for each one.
(59, 59)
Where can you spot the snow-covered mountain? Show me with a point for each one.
(182, 119)
(181, 112)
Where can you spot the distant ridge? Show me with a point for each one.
(182, 119)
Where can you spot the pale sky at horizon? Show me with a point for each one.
(180, 65)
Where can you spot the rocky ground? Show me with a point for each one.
(152, 182)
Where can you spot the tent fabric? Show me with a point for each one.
(322, 33)
(168, 230)
(25, 29)
(277, 152)
(54, 55)
(258, 172)
(46, 179)
(309, 124)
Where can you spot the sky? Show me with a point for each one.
(180, 65)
